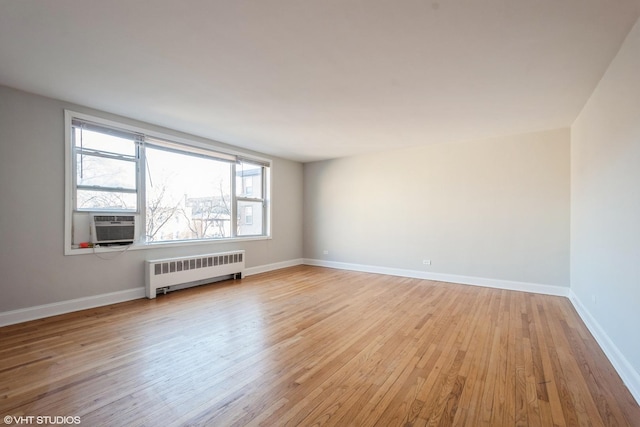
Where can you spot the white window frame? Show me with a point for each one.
(264, 178)
(187, 144)
(136, 159)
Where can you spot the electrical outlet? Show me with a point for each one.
(426, 262)
(325, 252)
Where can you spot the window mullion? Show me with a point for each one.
(263, 180)
(234, 202)
(106, 189)
(142, 189)
(105, 154)
(250, 199)
(73, 162)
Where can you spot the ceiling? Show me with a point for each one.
(311, 80)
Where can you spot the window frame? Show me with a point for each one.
(135, 158)
(195, 143)
(262, 200)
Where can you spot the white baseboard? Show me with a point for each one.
(451, 278)
(53, 309)
(629, 375)
(626, 371)
(270, 267)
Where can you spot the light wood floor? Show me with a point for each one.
(312, 346)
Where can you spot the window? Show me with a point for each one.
(191, 188)
(248, 215)
(105, 163)
(251, 203)
(181, 190)
(248, 186)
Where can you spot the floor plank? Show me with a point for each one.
(314, 346)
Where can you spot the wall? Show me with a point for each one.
(605, 216)
(33, 268)
(495, 209)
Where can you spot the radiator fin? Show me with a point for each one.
(165, 273)
(195, 263)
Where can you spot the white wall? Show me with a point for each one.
(605, 205)
(33, 268)
(496, 209)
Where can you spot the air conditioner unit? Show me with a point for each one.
(113, 229)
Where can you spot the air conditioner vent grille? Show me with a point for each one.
(112, 228)
(114, 218)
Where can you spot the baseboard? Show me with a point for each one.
(270, 267)
(451, 278)
(39, 312)
(629, 375)
(56, 308)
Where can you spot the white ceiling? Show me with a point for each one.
(310, 80)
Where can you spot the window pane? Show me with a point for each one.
(248, 215)
(187, 197)
(250, 218)
(105, 172)
(102, 141)
(249, 180)
(105, 200)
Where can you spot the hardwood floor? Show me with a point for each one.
(312, 346)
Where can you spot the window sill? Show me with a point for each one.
(74, 250)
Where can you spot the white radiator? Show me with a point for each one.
(177, 273)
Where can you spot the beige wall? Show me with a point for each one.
(495, 209)
(33, 268)
(605, 202)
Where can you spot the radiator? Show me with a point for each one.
(177, 273)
